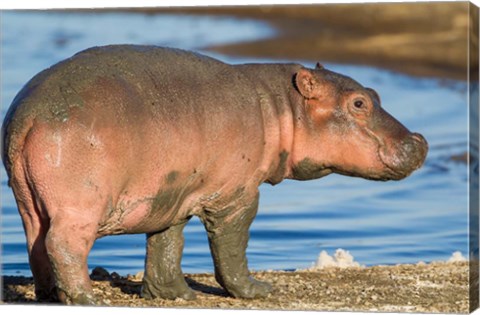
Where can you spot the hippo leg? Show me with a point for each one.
(228, 237)
(36, 228)
(163, 273)
(68, 242)
(45, 290)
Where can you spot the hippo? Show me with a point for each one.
(126, 139)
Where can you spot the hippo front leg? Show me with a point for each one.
(163, 273)
(228, 237)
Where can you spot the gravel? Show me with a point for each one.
(435, 287)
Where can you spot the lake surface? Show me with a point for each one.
(422, 218)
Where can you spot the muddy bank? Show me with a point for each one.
(427, 39)
(436, 287)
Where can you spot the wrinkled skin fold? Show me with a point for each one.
(138, 139)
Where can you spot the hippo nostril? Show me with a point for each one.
(419, 138)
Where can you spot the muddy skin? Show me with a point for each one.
(171, 177)
(130, 139)
(78, 292)
(281, 169)
(163, 273)
(306, 169)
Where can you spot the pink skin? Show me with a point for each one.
(83, 171)
(76, 194)
(115, 166)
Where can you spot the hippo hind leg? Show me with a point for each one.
(228, 237)
(36, 227)
(58, 242)
(68, 243)
(70, 191)
(42, 271)
(71, 232)
(163, 274)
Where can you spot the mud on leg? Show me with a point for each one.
(163, 273)
(68, 243)
(228, 237)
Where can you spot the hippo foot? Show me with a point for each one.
(171, 291)
(249, 289)
(78, 299)
(85, 299)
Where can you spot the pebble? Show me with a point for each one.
(100, 273)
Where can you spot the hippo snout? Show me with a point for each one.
(405, 158)
(418, 147)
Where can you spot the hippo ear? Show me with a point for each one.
(306, 83)
(374, 94)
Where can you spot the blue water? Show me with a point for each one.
(422, 218)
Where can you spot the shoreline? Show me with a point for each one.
(434, 287)
(419, 39)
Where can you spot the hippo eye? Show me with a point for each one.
(358, 104)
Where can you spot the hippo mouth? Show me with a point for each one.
(406, 157)
(401, 159)
(389, 173)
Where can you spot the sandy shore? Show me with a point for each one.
(435, 287)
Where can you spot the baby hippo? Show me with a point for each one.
(138, 139)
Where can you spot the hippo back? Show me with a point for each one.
(128, 85)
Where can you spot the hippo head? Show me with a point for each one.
(342, 128)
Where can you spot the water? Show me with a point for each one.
(422, 218)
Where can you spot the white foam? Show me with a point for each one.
(341, 259)
(456, 257)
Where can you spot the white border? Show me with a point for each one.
(55, 4)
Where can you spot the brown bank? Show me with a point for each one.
(423, 38)
(435, 287)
